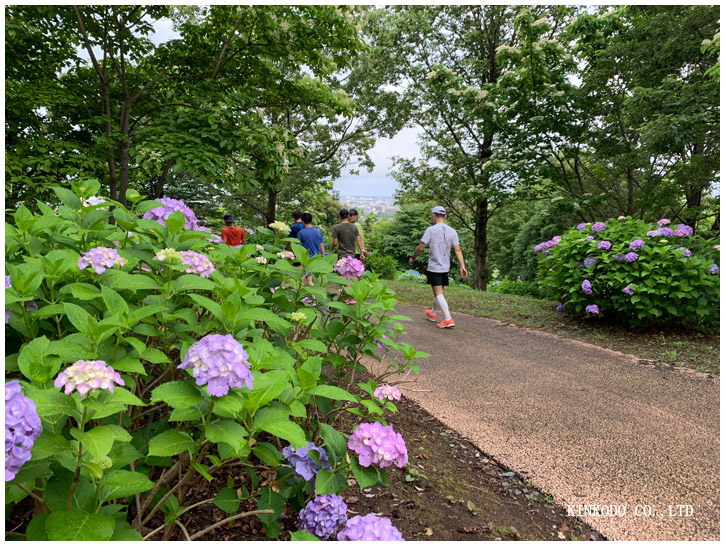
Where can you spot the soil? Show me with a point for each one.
(450, 490)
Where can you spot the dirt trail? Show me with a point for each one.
(588, 425)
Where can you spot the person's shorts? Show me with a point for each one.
(357, 256)
(437, 279)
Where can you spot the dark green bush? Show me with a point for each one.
(385, 266)
(517, 288)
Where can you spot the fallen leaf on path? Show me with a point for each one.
(428, 531)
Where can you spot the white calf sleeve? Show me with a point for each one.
(443, 304)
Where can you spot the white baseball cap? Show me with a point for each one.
(438, 210)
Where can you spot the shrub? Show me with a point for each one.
(385, 266)
(411, 275)
(633, 272)
(517, 288)
(178, 359)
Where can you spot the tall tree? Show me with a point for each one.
(186, 104)
(443, 63)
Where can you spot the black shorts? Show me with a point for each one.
(357, 256)
(437, 279)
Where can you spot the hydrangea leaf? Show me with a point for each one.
(118, 484)
(334, 440)
(330, 483)
(302, 535)
(74, 525)
(170, 442)
(365, 476)
(226, 431)
(191, 281)
(332, 392)
(177, 394)
(227, 500)
(267, 453)
(98, 441)
(268, 499)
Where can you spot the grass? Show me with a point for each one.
(696, 350)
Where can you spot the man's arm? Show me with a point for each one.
(334, 244)
(459, 257)
(417, 252)
(361, 245)
(322, 247)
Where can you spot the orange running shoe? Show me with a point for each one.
(448, 323)
(431, 316)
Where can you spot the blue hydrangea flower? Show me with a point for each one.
(561, 308)
(594, 309)
(714, 270)
(587, 287)
(219, 362)
(666, 231)
(683, 231)
(604, 245)
(161, 213)
(323, 515)
(100, 259)
(304, 465)
(22, 427)
(630, 257)
(636, 244)
(599, 226)
(369, 527)
(590, 261)
(629, 289)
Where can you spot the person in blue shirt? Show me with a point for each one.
(312, 239)
(295, 229)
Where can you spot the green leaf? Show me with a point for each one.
(268, 499)
(36, 528)
(284, 429)
(267, 453)
(365, 476)
(36, 363)
(314, 345)
(334, 440)
(74, 525)
(210, 305)
(79, 317)
(330, 483)
(125, 532)
(332, 392)
(98, 441)
(70, 200)
(129, 364)
(229, 432)
(227, 500)
(175, 222)
(114, 302)
(118, 484)
(50, 402)
(267, 387)
(170, 442)
(82, 291)
(319, 266)
(177, 394)
(192, 282)
(49, 444)
(302, 535)
(307, 380)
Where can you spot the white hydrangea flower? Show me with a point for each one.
(538, 22)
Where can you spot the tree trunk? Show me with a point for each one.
(693, 194)
(271, 205)
(630, 192)
(159, 189)
(480, 247)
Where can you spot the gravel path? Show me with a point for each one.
(588, 425)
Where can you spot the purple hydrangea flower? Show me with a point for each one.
(303, 464)
(630, 257)
(686, 253)
(599, 226)
(198, 263)
(604, 245)
(653, 233)
(717, 247)
(369, 527)
(86, 375)
(590, 261)
(22, 427)
(161, 213)
(618, 258)
(581, 226)
(8, 314)
(7, 282)
(587, 287)
(636, 244)
(350, 268)
(714, 270)
(666, 232)
(387, 391)
(590, 238)
(683, 231)
(376, 444)
(561, 308)
(219, 362)
(100, 258)
(594, 309)
(663, 222)
(556, 238)
(323, 515)
(629, 289)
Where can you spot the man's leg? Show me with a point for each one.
(437, 290)
(441, 302)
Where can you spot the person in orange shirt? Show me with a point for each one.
(232, 235)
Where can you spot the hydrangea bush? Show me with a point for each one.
(143, 359)
(633, 272)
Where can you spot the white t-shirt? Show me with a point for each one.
(440, 238)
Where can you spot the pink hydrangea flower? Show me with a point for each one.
(683, 230)
(387, 391)
(100, 258)
(286, 255)
(379, 445)
(261, 260)
(349, 267)
(198, 263)
(86, 375)
(581, 226)
(663, 222)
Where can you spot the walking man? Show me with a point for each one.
(312, 239)
(346, 235)
(441, 239)
(353, 220)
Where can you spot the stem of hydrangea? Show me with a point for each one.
(229, 520)
(39, 500)
(73, 486)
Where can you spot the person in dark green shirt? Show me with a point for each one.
(353, 220)
(346, 235)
